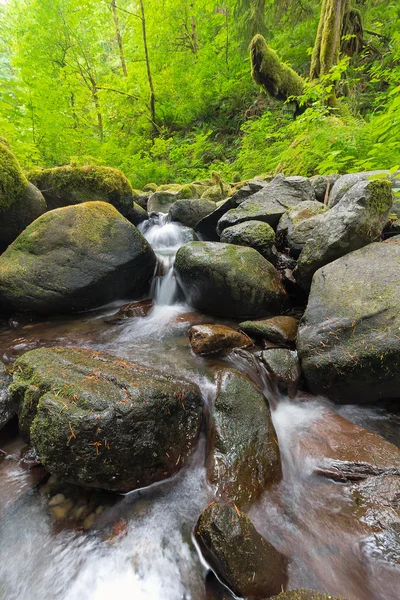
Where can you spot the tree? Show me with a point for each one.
(118, 37)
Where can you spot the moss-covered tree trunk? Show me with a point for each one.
(327, 43)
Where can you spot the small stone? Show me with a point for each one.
(279, 330)
(61, 511)
(57, 499)
(209, 339)
(89, 521)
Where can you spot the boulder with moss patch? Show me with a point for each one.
(254, 234)
(97, 421)
(296, 226)
(357, 220)
(63, 186)
(75, 258)
(190, 212)
(344, 183)
(348, 341)
(217, 192)
(6, 406)
(230, 281)
(20, 201)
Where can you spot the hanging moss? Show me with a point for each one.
(278, 79)
(12, 181)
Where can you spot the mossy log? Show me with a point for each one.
(278, 79)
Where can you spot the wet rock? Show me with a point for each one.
(131, 310)
(270, 203)
(6, 406)
(190, 212)
(228, 280)
(75, 258)
(304, 595)
(254, 234)
(357, 220)
(207, 227)
(245, 561)
(279, 330)
(297, 225)
(100, 422)
(161, 201)
(243, 456)
(208, 339)
(348, 341)
(284, 368)
(346, 182)
(138, 214)
(64, 186)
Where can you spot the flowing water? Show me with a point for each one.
(140, 546)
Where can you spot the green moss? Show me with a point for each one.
(307, 213)
(12, 181)
(187, 191)
(278, 79)
(380, 198)
(216, 192)
(150, 187)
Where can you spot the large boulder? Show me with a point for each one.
(296, 226)
(246, 562)
(254, 234)
(346, 182)
(64, 186)
(357, 220)
(228, 280)
(190, 212)
(243, 456)
(270, 203)
(349, 341)
(97, 421)
(6, 406)
(20, 201)
(75, 258)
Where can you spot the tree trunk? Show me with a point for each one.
(96, 102)
(119, 38)
(327, 43)
(149, 76)
(195, 41)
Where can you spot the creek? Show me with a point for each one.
(140, 546)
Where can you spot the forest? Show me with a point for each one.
(162, 89)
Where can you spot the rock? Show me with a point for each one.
(279, 330)
(297, 225)
(161, 201)
(150, 187)
(348, 341)
(354, 222)
(142, 198)
(240, 557)
(208, 339)
(6, 406)
(75, 258)
(131, 310)
(270, 203)
(100, 422)
(20, 202)
(190, 212)
(228, 280)
(188, 191)
(320, 185)
(138, 214)
(216, 192)
(284, 368)
(63, 186)
(254, 234)
(243, 458)
(303, 595)
(346, 182)
(207, 227)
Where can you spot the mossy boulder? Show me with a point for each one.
(348, 341)
(150, 187)
(357, 220)
(283, 367)
(210, 339)
(20, 201)
(97, 421)
(254, 234)
(6, 406)
(246, 562)
(270, 202)
(304, 595)
(190, 212)
(161, 201)
(230, 281)
(344, 183)
(188, 191)
(64, 186)
(296, 226)
(75, 258)
(217, 192)
(279, 330)
(243, 458)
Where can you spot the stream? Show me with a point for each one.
(140, 546)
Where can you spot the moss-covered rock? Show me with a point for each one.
(297, 224)
(240, 557)
(270, 202)
(96, 421)
(279, 330)
(150, 187)
(6, 406)
(190, 212)
(357, 220)
(254, 234)
(344, 183)
(283, 367)
(348, 340)
(217, 192)
(243, 457)
(63, 186)
(228, 280)
(20, 202)
(161, 201)
(188, 191)
(209, 339)
(75, 258)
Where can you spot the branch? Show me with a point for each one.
(127, 11)
(118, 92)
